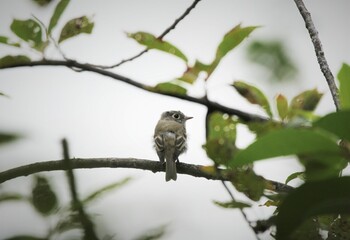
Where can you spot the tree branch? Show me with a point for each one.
(90, 68)
(319, 51)
(241, 210)
(89, 233)
(161, 36)
(144, 164)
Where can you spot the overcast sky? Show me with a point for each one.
(101, 117)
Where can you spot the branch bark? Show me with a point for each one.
(322, 61)
(91, 68)
(144, 164)
(86, 223)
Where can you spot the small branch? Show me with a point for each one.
(161, 36)
(124, 60)
(143, 164)
(89, 233)
(319, 51)
(240, 209)
(86, 67)
(177, 21)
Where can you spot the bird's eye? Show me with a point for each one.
(176, 116)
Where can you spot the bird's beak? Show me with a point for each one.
(188, 118)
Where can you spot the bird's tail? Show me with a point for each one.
(170, 173)
(169, 147)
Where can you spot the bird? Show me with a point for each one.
(170, 140)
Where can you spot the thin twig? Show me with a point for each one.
(132, 163)
(213, 106)
(217, 170)
(59, 48)
(161, 36)
(89, 233)
(241, 210)
(319, 51)
(188, 10)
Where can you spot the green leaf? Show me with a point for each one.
(270, 203)
(43, 197)
(300, 118)
(220, 145)
(13, 60)
(282, 106)
(321, 165)
(7, 41)
(151, 42)
(232, 204)
(344, 87)
(75, 27)
(191, 73)
(110, 187)
(61, 6)
(12, 197)
(30, 31)
(307, 100)
(330, 196)
(285, 142)
(4, 95)
(25, 237)
(42, 2)
(172, 88)
(231, 40)
(300, 175)
(153, 234)
(245, 180)
(274, 57)
(7, 137)
(261, 128)
(336, 123)
(309, 229)
(253, 95)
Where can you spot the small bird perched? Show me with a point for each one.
(170, 140)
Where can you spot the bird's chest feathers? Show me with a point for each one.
(170, 126)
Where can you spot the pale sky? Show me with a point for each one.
(104, 118)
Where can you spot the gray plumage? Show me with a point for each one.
(170, 140)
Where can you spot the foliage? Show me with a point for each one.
(7, 137)
(320, 143)
(46, 203)
(273, 57)
(152, 42)
(42, 2)
(344, 81)
(329, 196)
(153, 234)
(232, 204)
(38, 36)
(75, 27)
(43, 197)
(253, 95)
(315, 142)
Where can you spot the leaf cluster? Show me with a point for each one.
(178, 86)
(320, 143)
(38, 36)
(46, 202)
